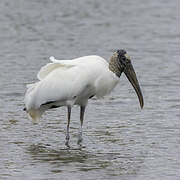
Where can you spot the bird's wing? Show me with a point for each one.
(45, 70)
(60, 85)
(52, 59)
(66, 64)
(63, 81)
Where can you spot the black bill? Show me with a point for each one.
(131, 75)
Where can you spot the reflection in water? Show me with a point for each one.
(112, 162)
(67, 155)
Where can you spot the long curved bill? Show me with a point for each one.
(131, 75)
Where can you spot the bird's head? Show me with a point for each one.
(121, 62)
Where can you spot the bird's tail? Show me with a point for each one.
(35, 115)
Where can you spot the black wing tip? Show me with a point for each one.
(24, 109)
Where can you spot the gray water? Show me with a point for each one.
(121, 141)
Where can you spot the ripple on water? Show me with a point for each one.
(120, 140)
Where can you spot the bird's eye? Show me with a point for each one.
(123, 62)
(123, 58)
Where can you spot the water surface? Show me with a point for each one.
(121, 141)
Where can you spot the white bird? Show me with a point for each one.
(74, 82)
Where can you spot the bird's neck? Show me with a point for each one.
(114, 66)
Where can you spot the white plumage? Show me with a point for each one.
(69, 82)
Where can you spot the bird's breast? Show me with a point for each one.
(106, 83)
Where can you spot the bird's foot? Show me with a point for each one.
(80, 139)
(67, 140)
(67, 144)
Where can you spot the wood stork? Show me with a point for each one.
(74, 82)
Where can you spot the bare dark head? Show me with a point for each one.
(125, 65)
(123, 59)
(121, 52)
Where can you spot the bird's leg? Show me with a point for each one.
(67, 130)
(82, 110)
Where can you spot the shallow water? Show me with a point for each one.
(120, 140)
